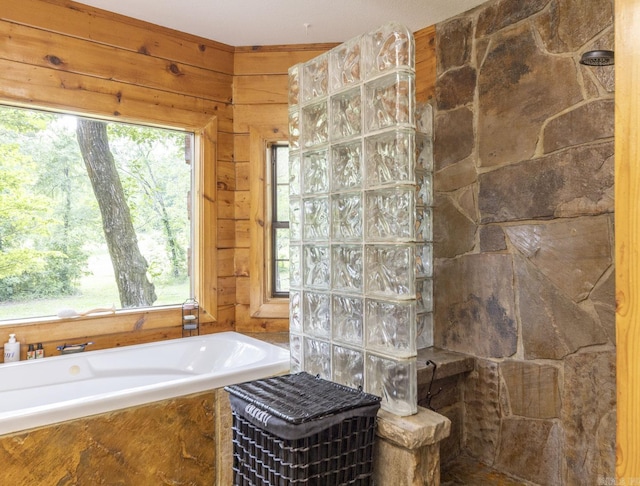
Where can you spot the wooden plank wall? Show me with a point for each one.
(260, 101)
(63, 55)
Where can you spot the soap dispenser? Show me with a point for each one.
(11, 349)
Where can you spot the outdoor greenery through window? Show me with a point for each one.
(92, 213)
(280, 220)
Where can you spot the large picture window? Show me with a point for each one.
(92, 213)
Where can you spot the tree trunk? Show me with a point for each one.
(129, 266)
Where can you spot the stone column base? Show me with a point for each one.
(407, 451)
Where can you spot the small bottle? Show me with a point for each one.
(31, 352)
(39, 351)
(11, 349)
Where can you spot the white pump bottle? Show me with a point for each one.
(11, 349)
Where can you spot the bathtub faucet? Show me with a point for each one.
(72, 348)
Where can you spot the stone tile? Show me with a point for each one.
(453, 232)
(588, 416)
(503, 13)
(553, 326)
(575, 182)
(453, 139)
(492, 239)
(483, 412)
(572, 253)
(533, 389)
(475, 305)
(466, 471)
(453, 43)
(557, 26)
(584, 124)
(604, 302)
(456, 88)
(531, 450)
(519, 88)
(456, 176)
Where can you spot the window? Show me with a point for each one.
(269, 233)
(92, 213)
(279, 202)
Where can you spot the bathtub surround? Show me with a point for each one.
(523, 236)
(127, 447)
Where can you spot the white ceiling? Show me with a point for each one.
(276, 22)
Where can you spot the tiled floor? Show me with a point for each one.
(467, 472)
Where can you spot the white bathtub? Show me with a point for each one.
(41, 392)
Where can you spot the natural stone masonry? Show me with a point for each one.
(523, 236)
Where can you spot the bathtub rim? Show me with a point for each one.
(276, 362)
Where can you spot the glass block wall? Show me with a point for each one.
(361, 170)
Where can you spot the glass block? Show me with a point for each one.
(424, 152)
(346, 216)
(348, 366)
(389, 271)
(295, 219)
(315, 172)
(294, 85)
(395, 380)
(425, 188)
(295, 310)
(423, 224)
(424, 330)
(295, 180)
(389, 47)
(346, 268)
(424, 295)
(295, 266)
(315, 266)
(390, 327)
(389, 158)
(346, 114)
(294, 129)
(389, 102)
(424, 260)
(315, 314)
(316, 218)
(317, 358)
(295, 349)
(315, 124)
(345, 64)
(390, 214)
(315, 78)
(346, 166)
(347, 318)
(424, 118)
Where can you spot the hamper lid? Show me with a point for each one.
(301, 397)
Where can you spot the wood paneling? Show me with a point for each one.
(64, 55)
(627, 238)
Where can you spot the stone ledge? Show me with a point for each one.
(424, 428)
(449, 364)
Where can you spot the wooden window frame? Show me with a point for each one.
(262, 303)
(203, 214)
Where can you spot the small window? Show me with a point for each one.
(92, 213)
(279, 159)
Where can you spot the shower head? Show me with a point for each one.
(597, 58)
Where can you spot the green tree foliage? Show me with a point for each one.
(50, 224)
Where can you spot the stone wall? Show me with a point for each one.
(523, 228)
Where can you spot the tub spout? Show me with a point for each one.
(72, 348)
